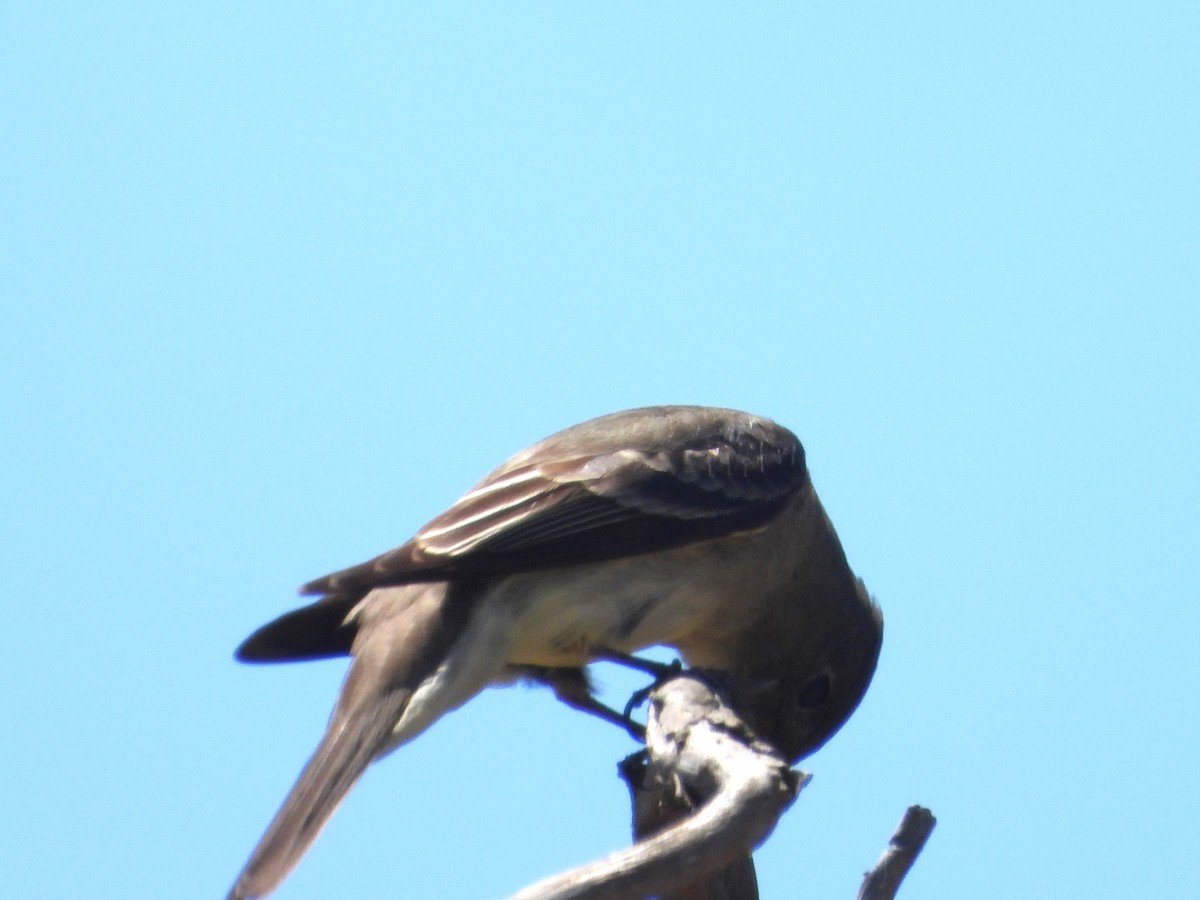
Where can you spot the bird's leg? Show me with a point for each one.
(571, 686)
(660, 671)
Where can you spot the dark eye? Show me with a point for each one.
(814, 692)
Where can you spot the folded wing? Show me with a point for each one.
(601, 491)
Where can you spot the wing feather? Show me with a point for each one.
(634, 482)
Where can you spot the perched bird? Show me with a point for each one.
(686, 526)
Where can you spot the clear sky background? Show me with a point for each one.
(278, 282)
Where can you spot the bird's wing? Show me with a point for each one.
(631, 483)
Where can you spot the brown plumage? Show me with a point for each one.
(693, 527)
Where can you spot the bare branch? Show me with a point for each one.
(737, 786)
(882, 882)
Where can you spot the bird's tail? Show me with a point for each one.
(403, 636)
(341, 758)
(418, 652)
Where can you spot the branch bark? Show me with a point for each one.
(882, 882)
(707, 794)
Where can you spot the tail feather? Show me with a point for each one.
(348, 747)
(316, 631)
(406, 645)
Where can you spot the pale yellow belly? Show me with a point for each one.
(688, 598)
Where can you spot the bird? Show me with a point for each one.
(691, 527)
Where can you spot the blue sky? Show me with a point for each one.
(281, 281)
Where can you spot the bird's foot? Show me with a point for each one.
(661, 673)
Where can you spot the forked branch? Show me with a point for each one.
(698, 750)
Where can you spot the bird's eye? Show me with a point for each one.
(814, 692)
